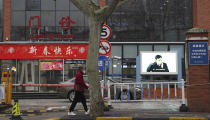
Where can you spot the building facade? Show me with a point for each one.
(138, 25)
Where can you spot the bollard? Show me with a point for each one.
(109, 95)
(16, 111)
(183, 107)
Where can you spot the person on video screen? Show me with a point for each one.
(158, 65)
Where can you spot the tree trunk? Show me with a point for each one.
(96, 101)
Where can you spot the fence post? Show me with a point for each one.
(102, 88)
(183, 107)
(109, 94)
(183, 92)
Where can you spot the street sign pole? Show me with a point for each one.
(104, 72)
(104, 65)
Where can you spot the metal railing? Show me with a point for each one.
(145, 91)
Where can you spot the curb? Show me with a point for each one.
(32, 113)
(187, 118)
(27, 114)
(114, 118)
(37, 111)
(128, 118)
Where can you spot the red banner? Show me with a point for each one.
(43, 51)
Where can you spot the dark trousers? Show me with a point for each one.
(79, 97)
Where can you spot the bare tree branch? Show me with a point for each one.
(107, 10)
(121, 3)
(94, 5)
(83, 5)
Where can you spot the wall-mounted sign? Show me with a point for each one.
(43, 51)
(65, 24)
(198, 53)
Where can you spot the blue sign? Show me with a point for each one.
(198, 53)
(101, 60)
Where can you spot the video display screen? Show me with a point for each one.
(153, 62)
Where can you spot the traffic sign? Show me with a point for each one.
(105, 47)
(106, 32)
(101, 60)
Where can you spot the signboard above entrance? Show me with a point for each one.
(65, 25)
(43, 51)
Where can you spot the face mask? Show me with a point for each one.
(158, 62)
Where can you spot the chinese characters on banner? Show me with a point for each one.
(43, 51)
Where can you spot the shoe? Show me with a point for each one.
(71, 113)
(86, 113)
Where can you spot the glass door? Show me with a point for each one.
(28, 72)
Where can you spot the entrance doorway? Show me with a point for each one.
(27, 74)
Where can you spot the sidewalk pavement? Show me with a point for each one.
(132, 110)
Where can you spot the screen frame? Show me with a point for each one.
(158, 73)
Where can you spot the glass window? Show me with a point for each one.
(129, 68)
(115, 66)
(47, 18)
(48, 4)
(78, 33)
(129, 51)
(29, 14)
(151, 20)
(73, 7)
(116, 51)
(18, 33)
(181, 49)
(1, 4)
(33, 5)
(59, 15)
(160, 47)
(18, 18)
(86, 21)
(1, 13)
(50, 76)
(71, 68)
(62, 4)
(1, 34)
(145, 47)
(28, 72)
(178, 47)
(115, 69)
(18, 4)
(78, 17)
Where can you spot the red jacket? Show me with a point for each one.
(79, 80)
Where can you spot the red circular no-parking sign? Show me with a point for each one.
(105, 47)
